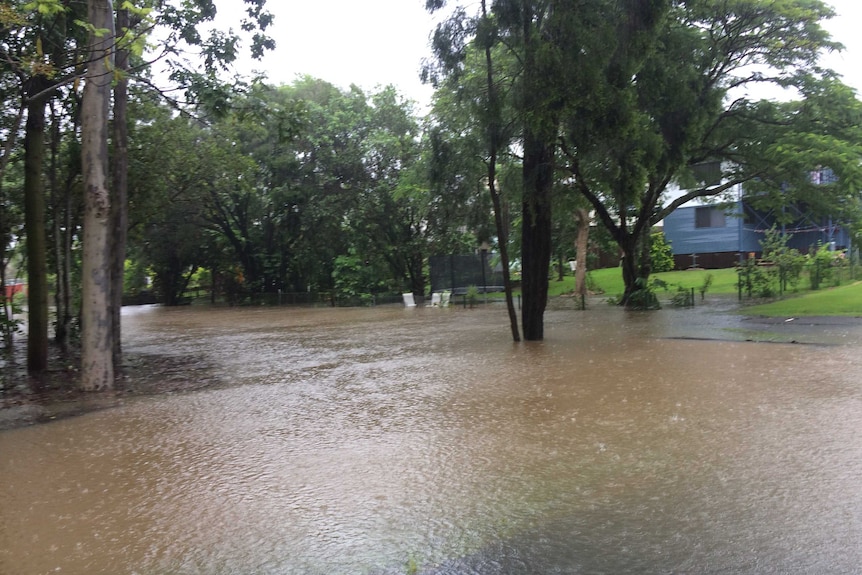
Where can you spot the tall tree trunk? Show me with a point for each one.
(536, 233)
(34, 222)
(97, 347)
(540, 135)
(582, 215)
(120, 205)
(493, 148)
(61, 285)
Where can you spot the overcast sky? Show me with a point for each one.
(379, 42)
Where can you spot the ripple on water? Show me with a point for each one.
(360, 442)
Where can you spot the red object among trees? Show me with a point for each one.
(14, 287)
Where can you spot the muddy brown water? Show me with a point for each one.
(389, 440)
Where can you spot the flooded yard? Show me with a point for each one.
(389, 440)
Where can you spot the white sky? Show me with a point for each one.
(378, 42)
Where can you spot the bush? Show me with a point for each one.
(472, 296)
(643, 298)
(661, 253)
(824, 266)
(787, 262)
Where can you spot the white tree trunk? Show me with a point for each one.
(97, 369)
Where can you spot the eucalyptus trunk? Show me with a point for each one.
(97, 346)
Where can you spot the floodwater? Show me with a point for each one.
(390, 440)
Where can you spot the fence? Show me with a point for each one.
(456, 273)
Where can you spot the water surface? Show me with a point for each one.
(391, 440)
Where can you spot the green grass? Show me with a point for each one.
(841, 301)
(836, 301)
(610, 281)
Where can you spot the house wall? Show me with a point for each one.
(686, 238)
(709, 261)
(720, 246)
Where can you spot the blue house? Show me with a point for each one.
(722, 235)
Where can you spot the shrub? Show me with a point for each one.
(661, 253)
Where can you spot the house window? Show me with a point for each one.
(709, 217)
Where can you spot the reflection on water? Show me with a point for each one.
(379, 440)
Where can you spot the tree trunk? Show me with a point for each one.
(536, 233)
(34, 218)
(61, 230)
(96, 342)
(645, 260)
(629, 265)
(499, 221)
(120, 205)
(582, 215)
(540, 134)
(636, 266)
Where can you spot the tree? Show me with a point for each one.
(43, 45)
(120, 178)
(667, 100)
(97, 349)
(38, 52)
(170, 159)
(582, 217)
(558, 48)
(474, 80)
(495, 144)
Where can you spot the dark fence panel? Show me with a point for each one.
(456, 273)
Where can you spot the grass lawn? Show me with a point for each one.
(837, 301)
(610, 281)
(843, 301)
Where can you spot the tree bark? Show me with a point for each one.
(61, 222)
(541, 122)
(629, 265)
(536, 233)
(34, 222)
(96, 332)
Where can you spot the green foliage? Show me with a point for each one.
(824, 266)
(352, 277)
(787, 263)
(704, 287)
(412, 566)
(135, 277)
(472, 296)
(45, 7)
(683, 297)
(661, 253)
(756, 280)
(642, 298)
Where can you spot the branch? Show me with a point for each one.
(700, 193)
